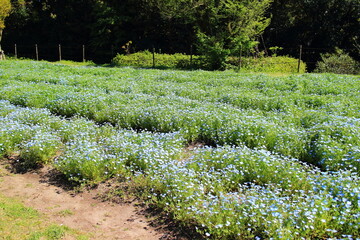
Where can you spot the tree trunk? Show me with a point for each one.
(2, 54)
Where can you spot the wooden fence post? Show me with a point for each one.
(266, 52)
(240, 57)
(37, 52)
(153, 55)
(300, 55)
(15, 51)
(83, 48)
(59, 52)
(191, 56)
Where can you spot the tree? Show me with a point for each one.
(232, 26)
(218, 27)
(324, 24)
(5, 8)
(222, 27)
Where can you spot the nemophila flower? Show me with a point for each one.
(40, 148)
(258, 186)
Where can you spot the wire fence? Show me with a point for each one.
(58, 52)
(82, 53)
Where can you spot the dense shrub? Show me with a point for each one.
(182, 61)
(338, 62)
(145, 60)
(281, 64)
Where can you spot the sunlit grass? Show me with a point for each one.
(18, 222)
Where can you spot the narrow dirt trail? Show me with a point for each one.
(103, 220)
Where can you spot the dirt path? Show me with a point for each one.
(103, 220)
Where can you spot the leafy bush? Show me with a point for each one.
(338, 62)
(145, 60)
(214, 58)
(277, 64)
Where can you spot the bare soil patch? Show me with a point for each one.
(44, 190)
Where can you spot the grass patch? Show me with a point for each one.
(65, 213)
(73, 63)
(20, 222)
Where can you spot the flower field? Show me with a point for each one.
(279, 157)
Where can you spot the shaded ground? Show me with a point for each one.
(85, 211)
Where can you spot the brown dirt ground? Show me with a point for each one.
(83, 211)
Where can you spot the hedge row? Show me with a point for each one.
(146, 59)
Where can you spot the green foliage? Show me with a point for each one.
(277, 64)
(318, 23)
(222, 25)
(214, 54)
(274, 50)
(216, 57)
(173, 25)
(5, 8)
(229, 26)
(145, 60)
(338, 62)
